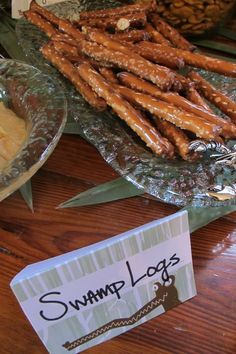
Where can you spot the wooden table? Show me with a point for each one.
(205, 324)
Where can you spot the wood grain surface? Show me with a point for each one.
(205, 324)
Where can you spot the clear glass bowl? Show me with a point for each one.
(176, 182)
(39, 100)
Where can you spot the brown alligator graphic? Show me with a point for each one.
(165, 295)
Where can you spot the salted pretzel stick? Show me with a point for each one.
(65, 48)
(126, 112)
(117, 23)
(221, 101)
(71, 73)
(134, 35)
(166, 111)
(41, 23)
(177, 137)
(193, 96)
(109, 75)
(130, 62)
(156, 36)
(137, 84)
(195, 59)
(171, 33)
(49, 16)
(169, 61)
(119, 11)
(68, 28)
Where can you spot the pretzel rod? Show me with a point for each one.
(129, 36)
(118, 11)
(41, 23)
(160, 76)
(71, 73)
(195, 59)
(126, 112)
(130, 20)
(172, 62)
(137, 84)
(171, 33)
(109, 75)
(68, 28)
(49, 16)
(177, 137)
(65, 48)
(64, 37)
(156, 36)
(181, 119)
(193, 96)
(221, 101)
(134, 35)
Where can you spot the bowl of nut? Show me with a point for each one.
(195, 17)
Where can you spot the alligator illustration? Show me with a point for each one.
(165, 295)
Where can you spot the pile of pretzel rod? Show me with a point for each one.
(127, 58)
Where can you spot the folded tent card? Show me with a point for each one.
(18, 6)
(90, 295)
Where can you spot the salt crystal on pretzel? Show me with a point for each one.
(171, 33)
(119, 11)
(129, 61)
(125, 111)
(171, 113)
(137, 84)
(40, 22)
(224, 103)
(71, 73)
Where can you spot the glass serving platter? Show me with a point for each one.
(176, 182)
(39, 100)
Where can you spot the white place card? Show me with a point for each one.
(87, 296)
(18, 6)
